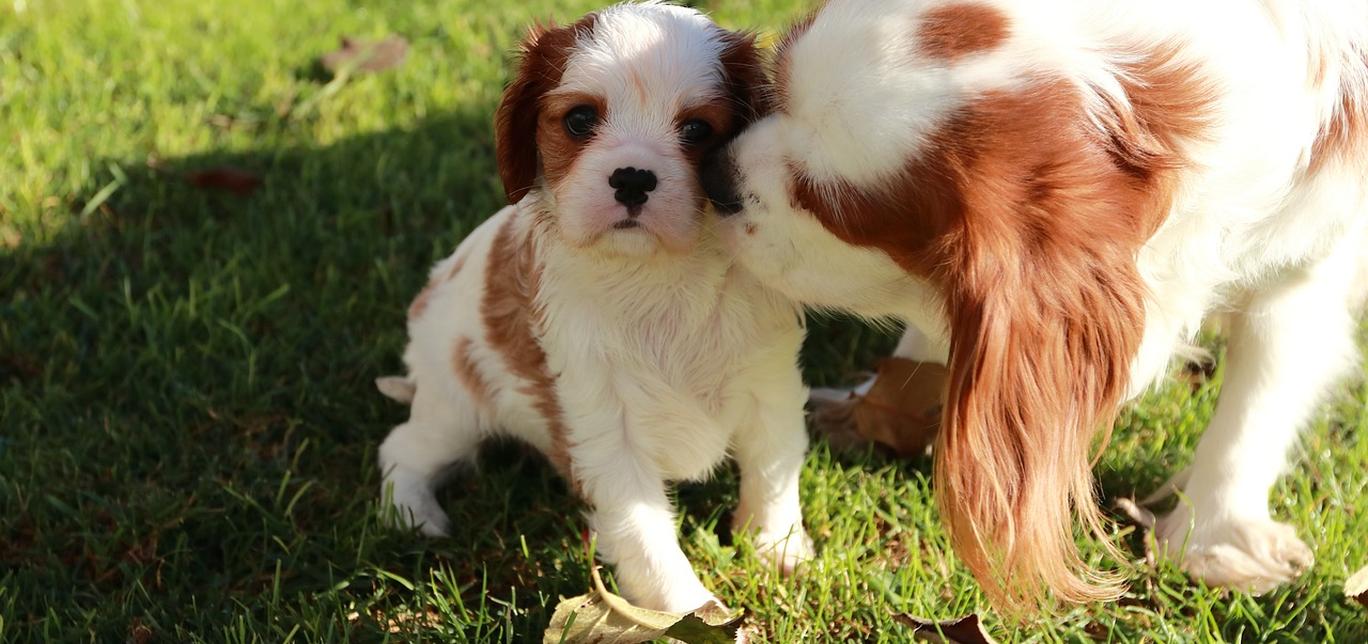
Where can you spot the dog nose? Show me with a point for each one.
(718, 178)
(631, 185)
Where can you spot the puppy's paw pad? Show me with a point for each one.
(1253, 556)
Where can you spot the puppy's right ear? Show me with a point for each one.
(543, 56)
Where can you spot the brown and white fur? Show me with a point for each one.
(1054, 194)
(611, 330)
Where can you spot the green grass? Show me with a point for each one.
(187, 421)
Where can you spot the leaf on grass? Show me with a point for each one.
(226, 178)
(965, 630)
(140, 633)
(1356, 587)
(901, 411)
(19, 366)
(365, 55)
(1136, 513)
(1142, 518)
(601, 616)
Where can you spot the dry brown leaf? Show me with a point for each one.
(1356, 587)
(1138, 514)
(901, 411)
(226, 178)
(1144, 520)
(365, 55)
(965, 630)
(140, 633)
(601, 616)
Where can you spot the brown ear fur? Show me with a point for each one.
(744, 71)
(1042, 336)
(1046, 313)
(1029, 219)
(779, 82)
(543, 56)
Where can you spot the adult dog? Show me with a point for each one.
(1054, 194)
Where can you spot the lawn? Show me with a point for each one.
(187, 421)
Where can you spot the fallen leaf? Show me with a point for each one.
(1356, 587)
(1137, 514)
(601, 616)
(226, 178)
(833, 417)
(900, 411)
(965, 630)
(19, 367)
(139, 633)
(1143, 519)
(365, 55)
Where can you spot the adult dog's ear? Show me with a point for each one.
(1041, 347)
(744, 73)
(542, 59)
(1046, 309)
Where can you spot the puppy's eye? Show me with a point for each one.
(695, 131)
(581, 121)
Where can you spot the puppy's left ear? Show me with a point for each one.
(744, 72)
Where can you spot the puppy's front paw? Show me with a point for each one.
(415, 506)
(786, 549)
(1254, 556)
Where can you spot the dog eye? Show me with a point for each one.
(581, 121)
(695, 131)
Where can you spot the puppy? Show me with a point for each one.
(1053, 194)
(598, 318)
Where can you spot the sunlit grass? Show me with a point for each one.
(187, 421)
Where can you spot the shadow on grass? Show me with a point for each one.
(189, 415)
(190, 422)
(188, 410)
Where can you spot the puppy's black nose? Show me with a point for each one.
(631, 185)
(718, 177)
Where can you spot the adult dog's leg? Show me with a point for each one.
(1287, 347)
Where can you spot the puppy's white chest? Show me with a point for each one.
(668, 370)
(678, 389)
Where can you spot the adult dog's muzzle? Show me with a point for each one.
(718, 177)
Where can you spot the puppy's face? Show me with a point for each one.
(611, 117)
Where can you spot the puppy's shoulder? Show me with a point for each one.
(460, 275)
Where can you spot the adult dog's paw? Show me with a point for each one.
(1251, 555)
